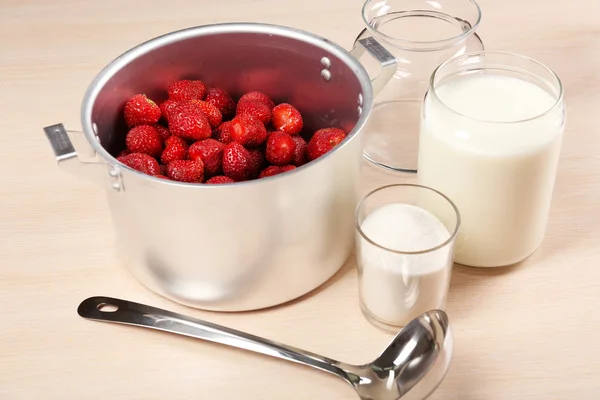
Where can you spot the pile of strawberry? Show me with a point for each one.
(202, 135)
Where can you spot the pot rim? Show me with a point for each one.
(125, 58)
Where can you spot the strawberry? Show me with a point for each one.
(257, 160)
(286, 118)
(270, 171)
(210, 151)
(141, 162)
(223, 133)
(166, 107)
(254, 108)
(323, 141)
(140, 110)
(286, 168)
(175, 149)
(211, 112)
(329, 131)
(299, 157)
(247, 130)
(164, 132)
(124, 152)
(187, 90)
(186, 170)
(144, 139)
(161, 176)
(189, 122)
(280, 148)
(260, 97)
(220, 99)
(220, 179)
(275, 170)
(236, 162)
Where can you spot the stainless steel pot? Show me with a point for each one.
(247, 245)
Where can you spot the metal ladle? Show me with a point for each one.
(410, 367)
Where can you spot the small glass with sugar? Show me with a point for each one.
(404, 248)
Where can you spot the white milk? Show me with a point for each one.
(395, 288)
(500, 175)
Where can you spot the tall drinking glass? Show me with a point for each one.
(491, 132)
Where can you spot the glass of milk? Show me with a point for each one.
(405, 236)
(491, 130)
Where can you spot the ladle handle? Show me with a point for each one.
(108, 309)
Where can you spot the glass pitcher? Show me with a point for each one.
(421, 34)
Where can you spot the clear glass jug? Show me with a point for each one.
(421, 34)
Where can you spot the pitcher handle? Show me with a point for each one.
(387, 61)
(66, 156)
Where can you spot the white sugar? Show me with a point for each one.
(397, 287)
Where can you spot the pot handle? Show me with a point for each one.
(67, 158)
(382, 55)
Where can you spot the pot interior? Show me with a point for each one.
(283, 63)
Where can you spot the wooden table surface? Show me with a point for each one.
(528, 332)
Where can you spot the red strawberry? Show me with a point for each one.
(175, 149)
(124, 152)
(211, 112)
(324, 132)
(189, 122)
(270, 171)
(275, 170)
(186, 90)
(141, 162)
(236, 162)
(186, 170)
(247, 130)
(164, 132)
(220, 179)
(260, 97)
(161, 176)
(323, 141)
(287, 118)
(210, 151)
(254, 108)
(223, 133)
(330, 130)
(287, 168)
(280, 148)
(166, 108)
(140, 110)
(257, 160)
(220, 99)
(144, 139)
(300, 151)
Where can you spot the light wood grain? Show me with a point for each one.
(523, 333)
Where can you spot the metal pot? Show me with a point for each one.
(247, 245)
